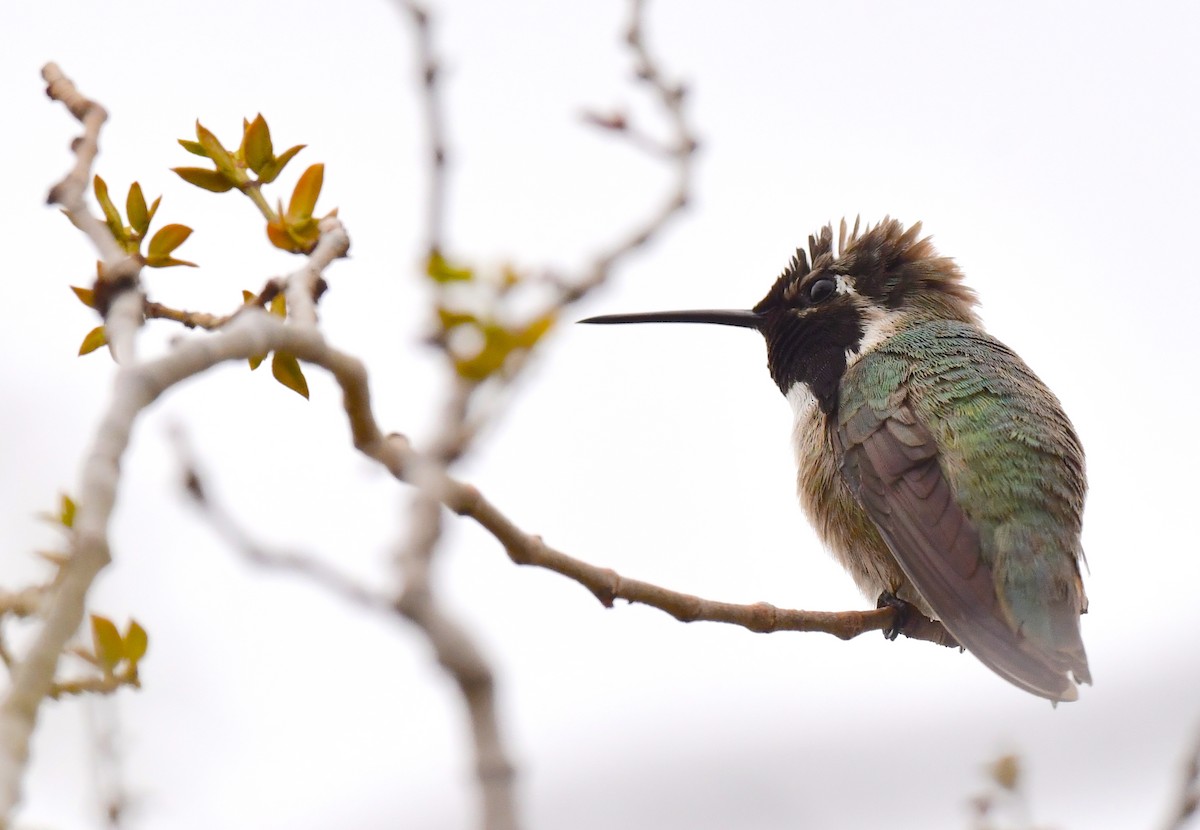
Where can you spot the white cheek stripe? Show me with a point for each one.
(880, 323)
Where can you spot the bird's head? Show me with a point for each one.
(828, 307)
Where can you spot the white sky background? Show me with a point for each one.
(1050, 148)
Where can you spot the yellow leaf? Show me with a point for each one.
(66, 511)
(194, 147)
(256, 361)
(86, 296)
(440, 270)
(167, 240)
(135, 208)
(167, 262)
(449, 319)
(107, 643)
(213, 149)
(247, 296)
(304, 197)
(153, 210)
(135, 643)
(274, 167)
(93, 340)
(213, 180)
(278, 235)
(532, 333)
(286, 370)
(279, 305)
(497, 345)
(111, 217)
(304, 234)
(257, 141)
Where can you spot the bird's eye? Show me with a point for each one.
(821, 290)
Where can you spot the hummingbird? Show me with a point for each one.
(940, 471)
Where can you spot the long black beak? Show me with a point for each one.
(741, 319)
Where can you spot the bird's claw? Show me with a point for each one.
(902, 611)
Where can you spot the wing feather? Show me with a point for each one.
(892, 464)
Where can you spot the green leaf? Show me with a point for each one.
(439, 270)
(193, 147)
(107, 642)
(111, 217)
(213, 180)
(258, 144)
(304, 197)
(93, 340)
(286, 370)
(135, 208)
(213, 149)
(86, 296)
(274, 167)
(168, 238)
(135, 643)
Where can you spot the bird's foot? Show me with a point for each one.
(902, 613)
(910, 622)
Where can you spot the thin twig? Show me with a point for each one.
(23, 603)
(1188, 804)
(107, 767)
(453, 648)
(238, 539)
(189, 319)
(69, 191)
(430, 70)
(678, 150)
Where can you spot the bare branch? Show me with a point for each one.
(1189, 796)
(23, 603)
(608, 586)
(463, 661)
(455, 650)
(137, 385)
(254, 552)
(678, 150)
(189, 319)
(120, 273)
(416, 603)
(427, 66)
(102, 684)
(69, 191)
